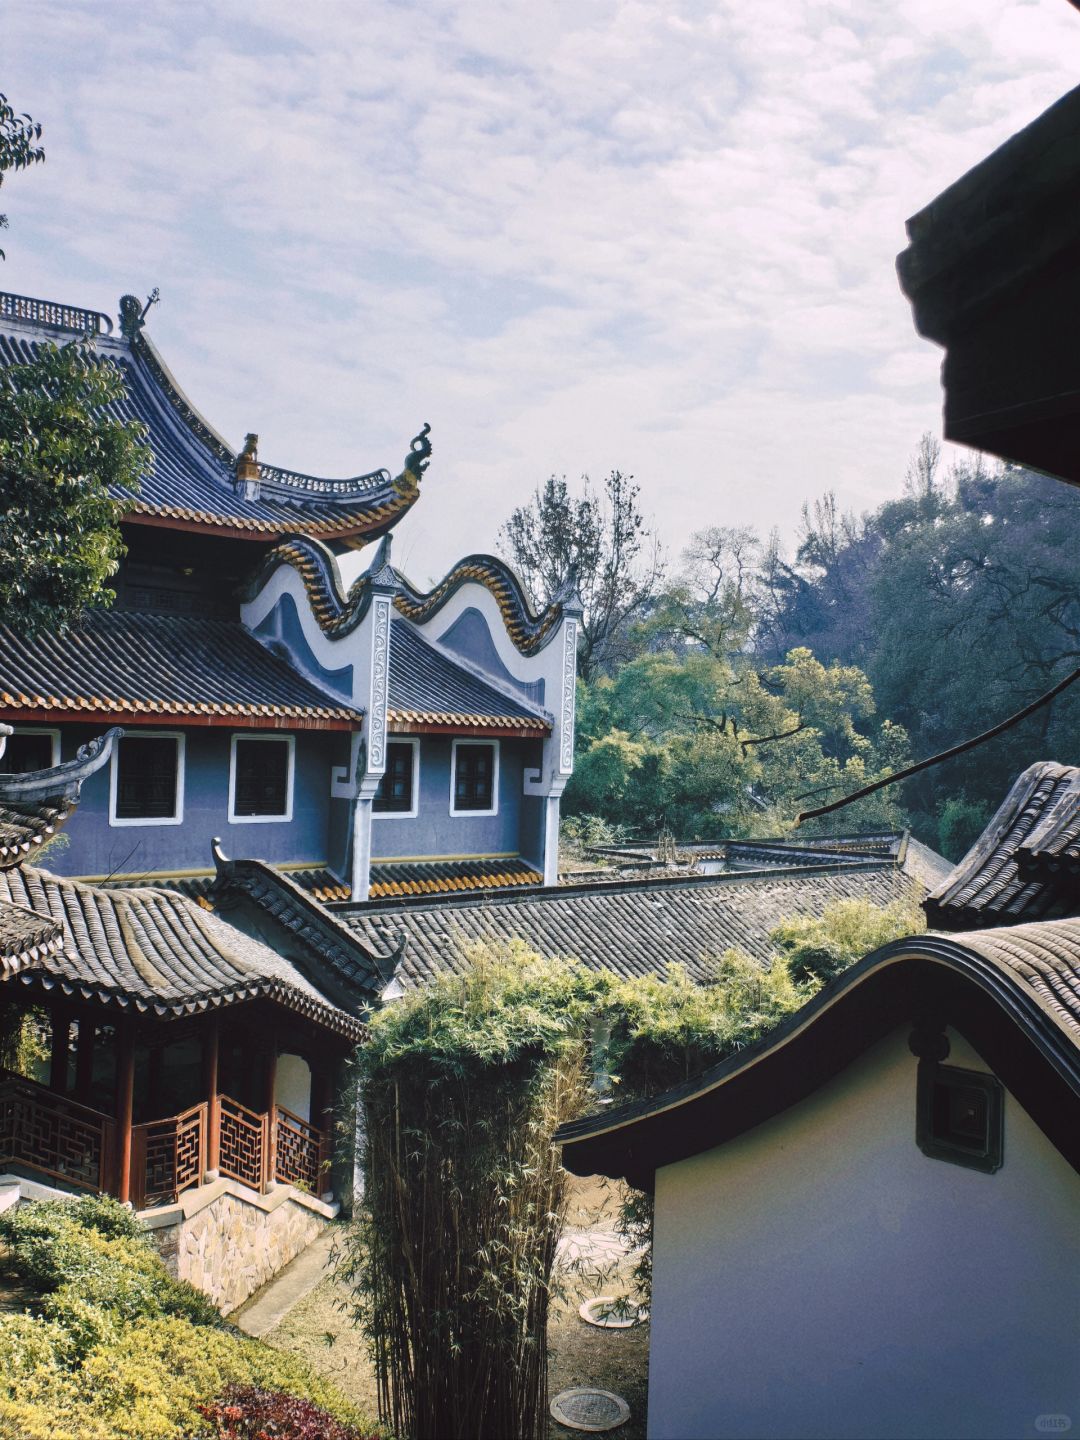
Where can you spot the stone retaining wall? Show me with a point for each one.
(228, 1241)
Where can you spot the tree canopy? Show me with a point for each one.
(19, 147)
(599, 541)
(60, 452)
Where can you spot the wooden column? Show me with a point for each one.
(212, 1084)
(125, 1096)
(322, 1117)
(270, 1126)
(60, 1021)
(84, 1059)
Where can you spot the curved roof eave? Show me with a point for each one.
(970, 983)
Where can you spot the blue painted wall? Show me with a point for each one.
(435, 831)
(97, 848)
(282, 627)
(470, 638)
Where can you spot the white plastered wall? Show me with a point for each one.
(820, 1276)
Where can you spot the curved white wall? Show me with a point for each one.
(820, 1276)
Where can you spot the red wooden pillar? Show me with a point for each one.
(60, 1021)
(125, 1097)
(84, 1059)
(322, 1117)
(270, 1123)
(212, 1085)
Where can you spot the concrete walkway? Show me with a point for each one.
(269, 1306)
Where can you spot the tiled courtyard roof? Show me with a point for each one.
(154, 951)
(1021, 866)
(26, 938)
(429, 689)
(186, 668)
(192, 477)
(391, 878)
(633, 928)
(34, 806)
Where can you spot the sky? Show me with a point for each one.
(573, 236)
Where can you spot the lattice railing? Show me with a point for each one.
(49, 1133)
(298, 1151)
(272, 477)
(48, 312)
(169, 1156)
(244, 1151)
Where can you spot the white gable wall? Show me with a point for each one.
(820, 1276)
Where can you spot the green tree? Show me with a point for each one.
(598, 540)
(18, 145)
(61, 453)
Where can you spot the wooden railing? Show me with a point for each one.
(245, 1151)
(168, 1156)
(54, 1135)
(70, 1142)
(298, 1151)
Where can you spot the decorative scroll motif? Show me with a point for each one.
(174, 1157)
(380, 668)
(569, 682)
(243, 1143)
(48, 312)
(51, 1134)
(298, 1151)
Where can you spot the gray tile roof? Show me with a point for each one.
(633, 927)
(26, 938)
(122, 662)
(156, 951)
(427, 687)
(1020, 868)
(1044, 956)
(192, 475)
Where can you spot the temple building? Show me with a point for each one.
(384, 739)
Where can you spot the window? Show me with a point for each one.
(261, 778)
(147, 780)
(30, 750)
(398, 790)
(474, 784)
(959, 1116)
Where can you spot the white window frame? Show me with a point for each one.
(412, 813)
(36, 730)
(181, 767)
(475, 814)
(290, 776)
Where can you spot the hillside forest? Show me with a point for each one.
(721, 693)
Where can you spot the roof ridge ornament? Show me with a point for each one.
(407, 483)
(248, 474)
(133, 312)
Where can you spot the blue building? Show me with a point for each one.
(384, 740)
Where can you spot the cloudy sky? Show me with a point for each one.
(573, 235)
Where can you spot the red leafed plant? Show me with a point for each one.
(248, 1413)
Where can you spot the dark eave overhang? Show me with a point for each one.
(929, 980)
(993, 275)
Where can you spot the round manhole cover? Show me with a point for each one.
(584, 1408)
(611, 1312)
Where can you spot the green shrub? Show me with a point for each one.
(120, 1350)
(817, 949)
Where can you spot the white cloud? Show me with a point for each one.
(627, 233)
